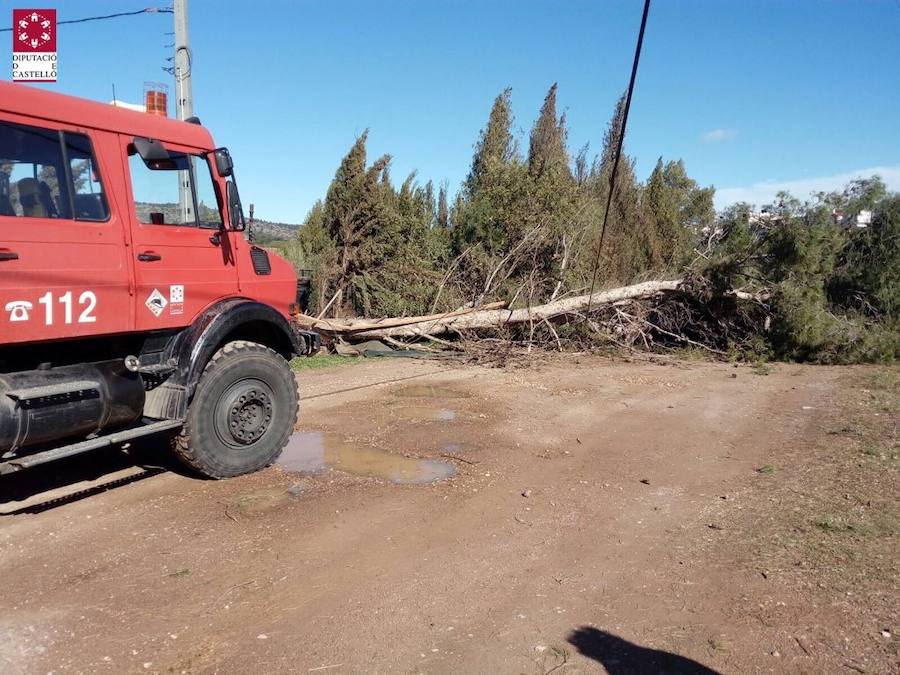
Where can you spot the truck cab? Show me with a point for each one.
(130, 301)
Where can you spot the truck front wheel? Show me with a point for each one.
(243, 412)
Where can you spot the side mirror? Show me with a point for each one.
(224, 163)
(235, 212)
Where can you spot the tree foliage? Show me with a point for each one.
(678, 210)
(833, 289)
(528, 230)
(373, 249)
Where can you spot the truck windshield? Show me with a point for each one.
(176, 191)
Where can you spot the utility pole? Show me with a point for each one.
(184, 99)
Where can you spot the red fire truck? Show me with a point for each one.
(130, 302)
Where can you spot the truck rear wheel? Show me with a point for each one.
(243, 412)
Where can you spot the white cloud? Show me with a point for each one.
(765, 191)
(719, 135)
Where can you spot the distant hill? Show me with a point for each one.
(263, 230)
(266, 230)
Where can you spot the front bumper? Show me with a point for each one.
(307, 342)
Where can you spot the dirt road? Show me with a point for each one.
(632, 517)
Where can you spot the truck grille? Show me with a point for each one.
(260, 258)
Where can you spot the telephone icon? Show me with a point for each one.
(18, 310)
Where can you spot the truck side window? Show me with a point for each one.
(87, 192)
(165, 191)
(32, 174)
(162, 190)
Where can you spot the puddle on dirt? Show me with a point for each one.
(424, 412)
(430, 391)
(314, 451)
(460, 448)
(260, 501)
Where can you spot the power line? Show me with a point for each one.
(615, 168)
(147, 10)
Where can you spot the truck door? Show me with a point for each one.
(63, 266)
(183, 260)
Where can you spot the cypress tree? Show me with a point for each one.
(345, 189)
(662, 213)
(628, 249)
(429, 200)
(457, 212)
(358, 218)
(547, 155)
(443, 213)
(550, 200)
(677, 209)
(314, 250)
(611, 139)
(496, 146)
(486, 211)
(581, 168)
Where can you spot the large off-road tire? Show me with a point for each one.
(243, 412)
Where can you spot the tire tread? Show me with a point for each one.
(182, 446)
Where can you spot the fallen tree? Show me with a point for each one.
(485, 317)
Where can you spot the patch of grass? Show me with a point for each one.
(884, 389)
(881, 453)
(833, 525)
(761, 368)
(885, 379)
(323, 361)
(690, 353)
(886, 524)
(179, 573)
(766, 469)
(878, 524)
(875, 451)
(558, 657)
(559, 652)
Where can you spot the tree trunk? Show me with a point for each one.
(481, 318)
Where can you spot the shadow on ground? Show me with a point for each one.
(71, 479)
(621, 657)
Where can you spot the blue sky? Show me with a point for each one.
(753, 95)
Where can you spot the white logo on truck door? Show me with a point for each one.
(176, 299)
(87, 300)
(87, 303)
(157, 302)
(18, 310)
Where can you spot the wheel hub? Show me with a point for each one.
(249, 414)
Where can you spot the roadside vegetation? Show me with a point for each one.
(322, 361)
(837, 543)
(793, 280)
